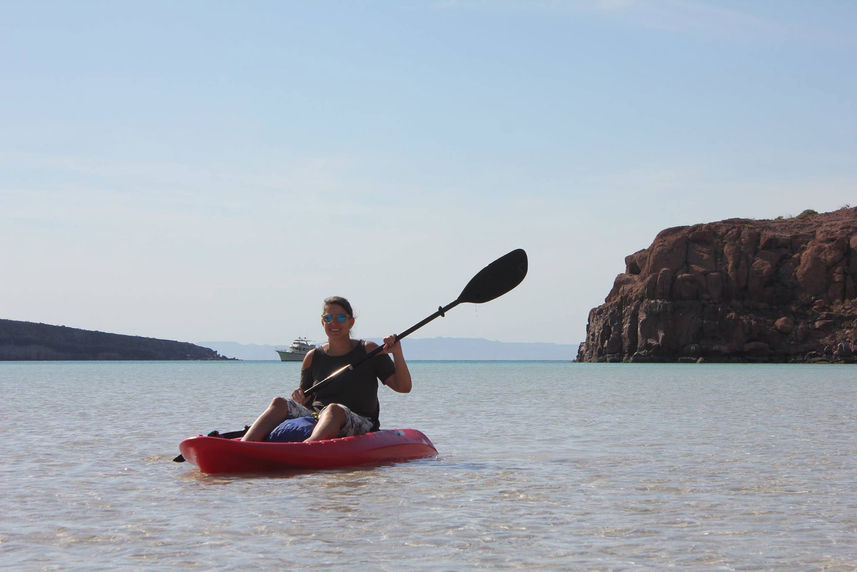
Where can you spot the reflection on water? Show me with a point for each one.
(541, 465)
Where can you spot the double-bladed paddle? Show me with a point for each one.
(491, 282)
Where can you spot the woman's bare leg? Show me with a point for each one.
(276, 413)
(330, 422)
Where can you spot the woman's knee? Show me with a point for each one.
(279, 404)
(333, 411)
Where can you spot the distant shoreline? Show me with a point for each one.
(428, 349)
(31, 341)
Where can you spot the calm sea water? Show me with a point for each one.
(543, 465)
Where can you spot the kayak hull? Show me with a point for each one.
(216, 455)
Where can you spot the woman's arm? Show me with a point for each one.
(400, 380)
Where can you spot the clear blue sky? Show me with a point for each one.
(202, 170)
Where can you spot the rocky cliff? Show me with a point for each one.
(737, 290)
(31, 341)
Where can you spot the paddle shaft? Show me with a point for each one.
(492, 281)
(439, 314)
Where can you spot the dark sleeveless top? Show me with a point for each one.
(356, 389)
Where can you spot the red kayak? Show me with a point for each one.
(216, 455)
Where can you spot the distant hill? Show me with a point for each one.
(428, 349)
(26, 341)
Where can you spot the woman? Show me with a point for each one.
(348, 404)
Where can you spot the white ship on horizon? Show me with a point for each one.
(297, 350)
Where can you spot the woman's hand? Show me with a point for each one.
(298, 396)
(392, 345)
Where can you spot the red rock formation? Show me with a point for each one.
(739, 290)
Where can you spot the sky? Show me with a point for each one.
(209, 170)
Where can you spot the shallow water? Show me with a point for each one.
(545, 465)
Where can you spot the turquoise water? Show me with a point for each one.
(546, 465)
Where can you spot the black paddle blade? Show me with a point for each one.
(496, 279)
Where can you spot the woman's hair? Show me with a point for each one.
(340, 301)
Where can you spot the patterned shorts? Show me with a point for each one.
(354, 424)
